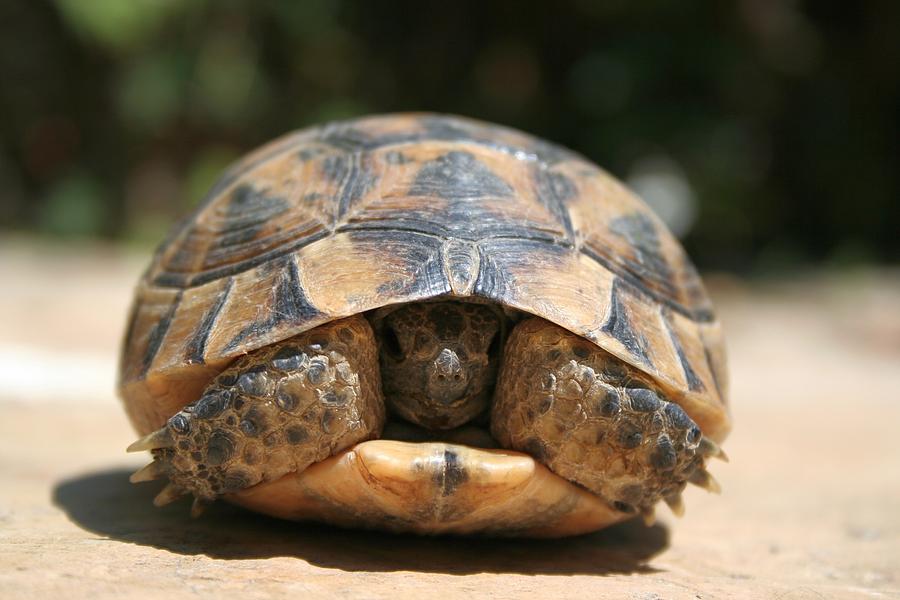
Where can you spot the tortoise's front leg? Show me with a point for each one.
(272, 412)
(596, 421)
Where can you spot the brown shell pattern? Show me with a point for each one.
(351, 216)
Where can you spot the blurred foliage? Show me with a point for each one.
(764, 131)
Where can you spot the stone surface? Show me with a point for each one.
(809, 508)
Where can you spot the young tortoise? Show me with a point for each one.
(425, 323)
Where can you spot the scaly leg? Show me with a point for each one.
(272, 412)
(596, 421)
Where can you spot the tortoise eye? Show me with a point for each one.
(392, 343)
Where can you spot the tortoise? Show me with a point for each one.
(425, 323)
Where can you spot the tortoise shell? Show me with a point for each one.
(352, 216)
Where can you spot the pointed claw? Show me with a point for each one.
(149, 472)
(161, 438)
(649, 516)
(710, 448)
(169, 494)
(702, 478)
(198, 506)
(675, 504)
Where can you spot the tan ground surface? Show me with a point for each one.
(811, 507)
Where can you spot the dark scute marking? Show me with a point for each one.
(180, 424)
(698, 314)
(249, 208)
(458, 175)
(185, 280)
(242, 167)
(395, 157)
(405, 226)
(663, 456)
(196, 347)
(643, 400)
(445, 129)
(693, 288)
(553, 190)
(344, 136)
(308, 153)
(492, 282)
(623, 507)
(449, 129)
(452, 474)
(648, 262)
(618, 325)
(289, 304)
(219, 450)
(677, 416)
(154, 340)
(693, 381)
(415, 249)
(212, 403)
(501, 257)
(354, 175)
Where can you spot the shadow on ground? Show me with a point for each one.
(106, 503)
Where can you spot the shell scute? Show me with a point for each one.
(348, 217)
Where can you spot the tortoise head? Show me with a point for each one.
(439, 362)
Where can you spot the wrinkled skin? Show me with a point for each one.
(437, 364)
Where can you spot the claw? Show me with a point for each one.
(710, 448)
(148, 472)
(702, 478)
(169, 494)
(161, 438)
(649, 516)
(675, 504)
(198, 506)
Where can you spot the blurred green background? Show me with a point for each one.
(767, 133)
